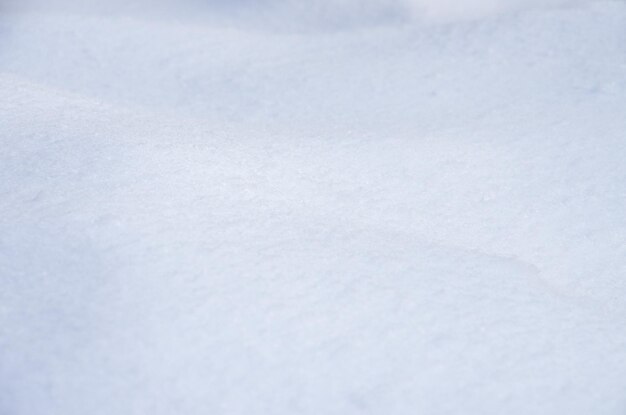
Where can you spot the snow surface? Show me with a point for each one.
(323, 207)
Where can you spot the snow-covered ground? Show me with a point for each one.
(312, 207)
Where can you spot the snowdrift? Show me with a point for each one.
(384, 207)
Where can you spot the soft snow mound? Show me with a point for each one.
(202, 214)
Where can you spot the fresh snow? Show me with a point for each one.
(322, 207)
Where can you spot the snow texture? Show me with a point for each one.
(321, 207)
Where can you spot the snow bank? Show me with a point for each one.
(203, 214)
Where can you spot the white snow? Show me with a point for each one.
(322, 207)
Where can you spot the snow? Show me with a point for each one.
(324, 207)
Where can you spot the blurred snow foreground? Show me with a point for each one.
(379, 207)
